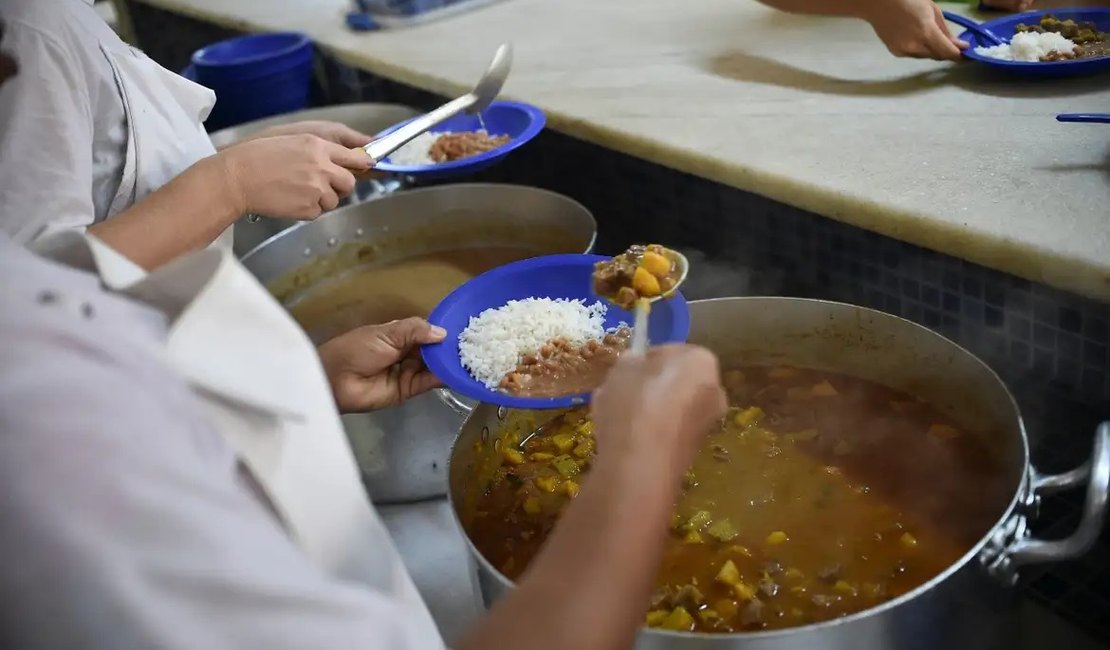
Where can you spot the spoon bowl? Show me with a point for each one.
(485, 91)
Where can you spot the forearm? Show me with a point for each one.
(186, 214)
(589, 587)
(848, 8)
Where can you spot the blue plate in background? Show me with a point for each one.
(521, 122)
(551, 276)
(1004, 28)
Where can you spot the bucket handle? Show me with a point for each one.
(1015, 547)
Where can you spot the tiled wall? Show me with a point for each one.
(1049, 345)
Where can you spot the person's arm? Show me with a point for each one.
(295, 177)
(132, 525)
(46, 135)
(818, 7)
(589, 587)
(912, 28)
(186, 214)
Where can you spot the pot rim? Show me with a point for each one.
(399, 195)
(914, 593)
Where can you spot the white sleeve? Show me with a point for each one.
(125, 525)
(46, 139)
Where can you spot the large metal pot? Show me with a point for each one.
(403, 451)
(961, 608)
(367, 118)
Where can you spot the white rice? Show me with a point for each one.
(1028, 46)
(416, 152)
(495, 340)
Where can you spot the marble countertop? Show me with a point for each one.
(811, 112)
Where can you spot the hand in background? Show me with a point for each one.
(376, 366)
(913, 28)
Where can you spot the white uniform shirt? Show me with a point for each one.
(89, 125)
(127, 518)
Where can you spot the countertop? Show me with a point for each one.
(811, 112)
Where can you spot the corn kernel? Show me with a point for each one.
(546, 483)
(740, 550)
(532, 506)
(744, 591)
(729, 574)
(693, 537)
(656, 618)
(749, 416)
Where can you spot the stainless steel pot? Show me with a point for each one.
(403, 451)
(961, 608)
(367, 118)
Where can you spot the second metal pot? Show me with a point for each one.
(965, 606)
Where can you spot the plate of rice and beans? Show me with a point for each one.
(532, 334)
(465, 143)
(1060, 42)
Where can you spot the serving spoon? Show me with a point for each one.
(474, 102)
(639, 344)
(986, 35)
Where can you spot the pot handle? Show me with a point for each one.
(1022, 549)
(456, 404)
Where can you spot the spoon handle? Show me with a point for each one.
(640, 329)
(983, 33)
(381, 148)
(1091, 118)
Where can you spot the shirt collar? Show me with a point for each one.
(226, 335)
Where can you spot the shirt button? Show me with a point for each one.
(47, 297)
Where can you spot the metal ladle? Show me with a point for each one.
(639, 344)
(474, 102)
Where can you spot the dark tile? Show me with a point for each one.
(994, 294)
(992, 317)
(930, 296)
(1069, 319)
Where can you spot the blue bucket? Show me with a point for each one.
(254, 76)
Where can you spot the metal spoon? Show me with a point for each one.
(473, 102)
(986, 35)
(639, 343)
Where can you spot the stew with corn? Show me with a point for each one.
(820, 495)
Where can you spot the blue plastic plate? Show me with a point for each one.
(1004, 28)
(551, 276)
(521, 122)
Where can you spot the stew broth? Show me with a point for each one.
(819, 496)
(379, 293)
